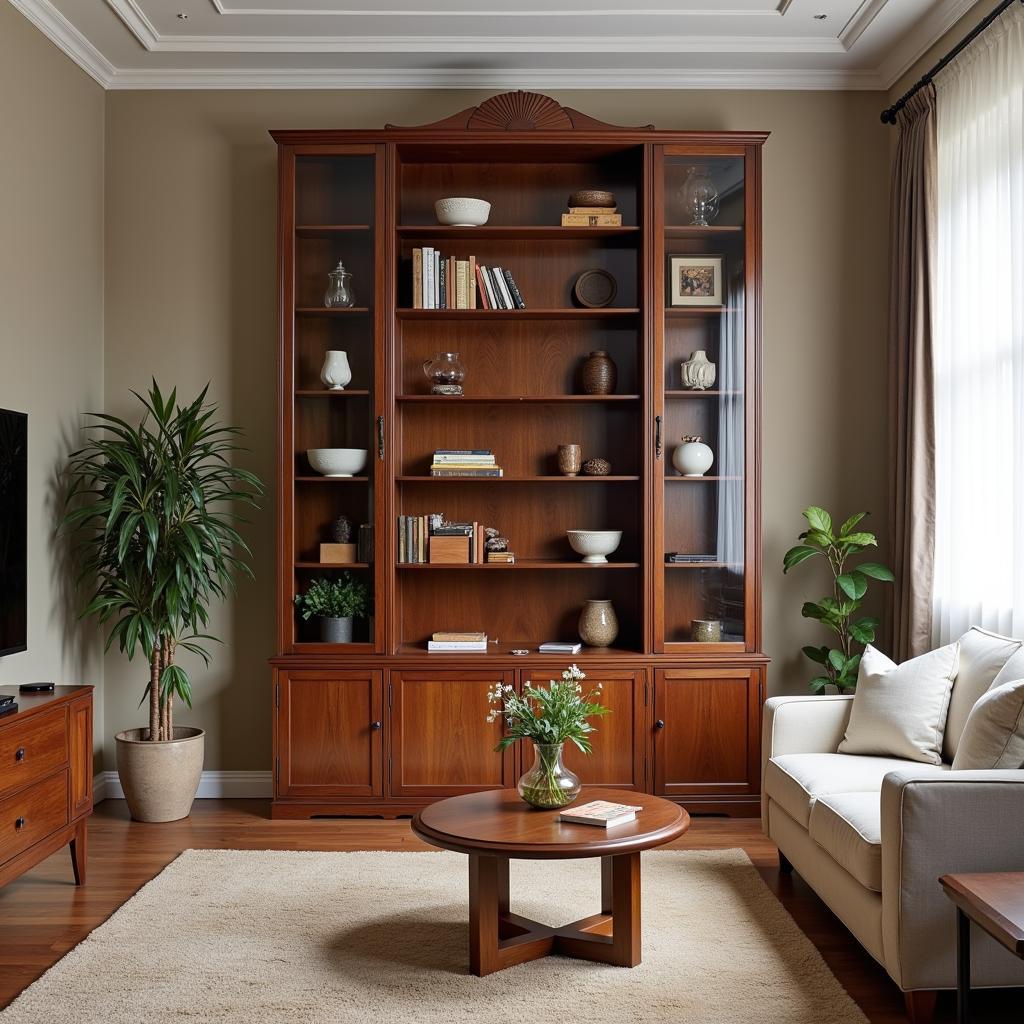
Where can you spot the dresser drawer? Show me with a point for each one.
(33, 814)
(33, 749)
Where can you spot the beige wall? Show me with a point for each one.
(190, 201)
(51, 314)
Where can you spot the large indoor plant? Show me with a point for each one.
(549, 716)
(153, 509)
(838, 611)
(334, 604)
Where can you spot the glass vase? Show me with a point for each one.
(548, 783)
(699, 197)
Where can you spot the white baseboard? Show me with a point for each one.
(236, 785)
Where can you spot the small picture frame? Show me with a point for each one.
(696, 280)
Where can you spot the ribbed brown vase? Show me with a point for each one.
(599, 374)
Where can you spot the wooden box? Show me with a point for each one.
(449, 550)
(338, 554)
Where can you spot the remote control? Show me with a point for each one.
(36, 688)
(7, 709)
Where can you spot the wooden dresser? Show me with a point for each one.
(45, 778)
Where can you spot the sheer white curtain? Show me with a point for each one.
(979, 337)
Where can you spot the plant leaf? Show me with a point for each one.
(876, 571)
(796, 555)
(819, 519)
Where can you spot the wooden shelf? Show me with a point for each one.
(331, 310)
(524, 563)
(328, 393)
(516, 399)
(567, 313)
(332, 565)
(504, 651)
(703, 565)
(413, 479)
(329, 230)
(672, 311)
(331, 479)
(701, 394)
(698, 479)
(526, 231)
(693, 231)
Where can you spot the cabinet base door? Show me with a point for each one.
(706, 732)
(329, 734)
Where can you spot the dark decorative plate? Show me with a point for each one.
(595, 288)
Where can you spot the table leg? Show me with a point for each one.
(625, 886)
(488, 899)
(963, 967)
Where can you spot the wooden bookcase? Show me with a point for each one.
(379, 726)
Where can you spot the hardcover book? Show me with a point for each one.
(601, 813)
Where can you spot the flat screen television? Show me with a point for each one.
(13, 531)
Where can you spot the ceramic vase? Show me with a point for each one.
(706, 631)
(336, 373)
(570, 459)
(598, 626)
(600, 375)
(692, 457)
(698, 372)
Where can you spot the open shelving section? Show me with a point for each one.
(363, 727)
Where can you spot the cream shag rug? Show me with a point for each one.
(306, 938)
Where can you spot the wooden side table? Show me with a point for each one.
(995, 903)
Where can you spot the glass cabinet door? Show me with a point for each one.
(702, 380)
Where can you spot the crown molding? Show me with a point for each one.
(408, 12)
(484, 78)
(925, 34)
(860, 21)
(67, 38)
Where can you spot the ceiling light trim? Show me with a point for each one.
(337, 12)
(67, 38)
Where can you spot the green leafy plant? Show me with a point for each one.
(343, 598)
(550, 716)
(849, 585)
(152, 510)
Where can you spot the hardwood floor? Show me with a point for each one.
(43, 914)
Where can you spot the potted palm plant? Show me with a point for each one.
(334, 604)
(152, 509)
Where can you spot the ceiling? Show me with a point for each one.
(252, 44)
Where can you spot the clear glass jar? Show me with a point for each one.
(445, 372)
(699, 197)
(339, 288)
(549, 783)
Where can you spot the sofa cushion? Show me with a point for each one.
(848, 826)
(900, 710)
(994, 735)
(795, 781)
(983, 656)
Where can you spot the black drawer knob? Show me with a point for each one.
(660, 723)
(19, 754)
(375, 726)
(19, 824)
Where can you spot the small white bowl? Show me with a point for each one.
(594, 544)
(460, 212)
(337, 461)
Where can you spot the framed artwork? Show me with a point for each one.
(695, 280)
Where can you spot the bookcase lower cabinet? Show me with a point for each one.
(329, 727)
(441, 741)
(706, 732)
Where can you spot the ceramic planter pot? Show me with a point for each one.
(335, 631)
(599, 625)
(693, 457)
(160, 779)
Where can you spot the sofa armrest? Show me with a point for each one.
(933, 824)
(801, 725)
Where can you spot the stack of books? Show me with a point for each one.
(443, 641)
(560, 647)
(602, 813)
(428, 539)
(681, 557)
(464, 462)
(592, 217)
(502, 557)
(442, 282)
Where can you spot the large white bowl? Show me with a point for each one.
(593, 545)
(460, 212)
(337, 461)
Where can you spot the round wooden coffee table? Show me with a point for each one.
(496, 826)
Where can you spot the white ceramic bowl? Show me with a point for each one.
(594, 545)
(337, 461)
(460, 212)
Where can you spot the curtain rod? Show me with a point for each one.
(889, 115)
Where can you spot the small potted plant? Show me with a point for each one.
(549, 716)
(334, 604)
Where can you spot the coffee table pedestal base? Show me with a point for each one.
(499, 939)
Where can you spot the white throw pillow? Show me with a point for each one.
(994, 734)
(900, 710)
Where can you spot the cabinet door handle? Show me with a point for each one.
(660, 723)
(19, 823)
(657, 437)
(380, 437)
(19, 754)
(375, 726)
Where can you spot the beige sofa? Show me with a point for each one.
(871, 835)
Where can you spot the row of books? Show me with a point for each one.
(592, 217)
(464, 462)
(445, 641)
(429, 538)
(443, 282)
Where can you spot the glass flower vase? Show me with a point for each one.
(548, 783)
